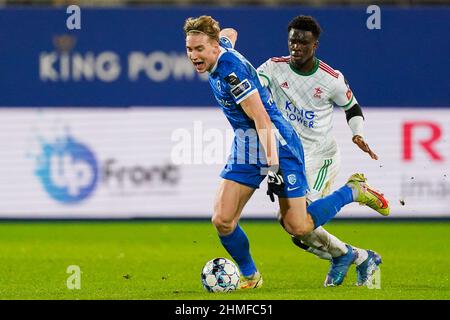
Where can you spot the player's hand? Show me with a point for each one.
(275, 182)
(359, 141)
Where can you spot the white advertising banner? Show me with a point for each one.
(165, 162)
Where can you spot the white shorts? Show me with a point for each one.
(321, 173)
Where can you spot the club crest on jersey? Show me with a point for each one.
(349, 94)
(292, 179)
(318, 93)
(284, 85)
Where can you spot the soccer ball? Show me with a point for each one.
(220, 275)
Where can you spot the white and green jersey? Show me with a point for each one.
(307, 100)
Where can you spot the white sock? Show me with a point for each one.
(362, 255)
(355, 191)
(324, 241)
(320, 253)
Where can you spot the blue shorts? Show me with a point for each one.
(291, 163)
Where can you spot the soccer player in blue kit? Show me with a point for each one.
(252, 114)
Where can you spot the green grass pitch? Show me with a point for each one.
(163, 259)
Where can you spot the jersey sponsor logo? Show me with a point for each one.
(241, 89)
(299, 116)
(232, 79)
(318, 93)
(292, 179)
(285, 85)
(68, 64)
(68, 170)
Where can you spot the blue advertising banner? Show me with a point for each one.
(136, 56)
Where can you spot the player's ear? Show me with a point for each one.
(216, 46)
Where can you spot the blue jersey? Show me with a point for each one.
(233, 79)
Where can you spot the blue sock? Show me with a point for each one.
(238, 247)
(323, 210)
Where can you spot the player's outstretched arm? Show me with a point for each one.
(229, 33)
(355, 120)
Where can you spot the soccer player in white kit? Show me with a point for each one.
(306, 89)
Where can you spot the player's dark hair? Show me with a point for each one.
(305, 23)
(203, 24)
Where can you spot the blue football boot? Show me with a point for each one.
(339, 268)
(367, 269)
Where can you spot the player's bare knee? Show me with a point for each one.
(216, 220)
(296, 229)
(222, 224)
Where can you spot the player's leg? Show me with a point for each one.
(322, 244)
(367, 262)
(320, 174)
(323, 210)
(299, 222)
(315, 244)
(363, 194)
(240, 181)
(230, 200)
(327, 246)
(334, 242)
(296, 219)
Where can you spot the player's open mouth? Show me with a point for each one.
(198, 65)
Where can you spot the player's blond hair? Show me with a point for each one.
(203, 24)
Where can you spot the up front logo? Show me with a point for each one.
(67, 170)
